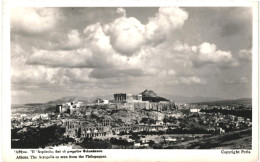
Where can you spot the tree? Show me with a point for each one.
(95, 144)
(157, 146)
(151, 143)
(163, 137)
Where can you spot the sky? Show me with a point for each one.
(57, 52)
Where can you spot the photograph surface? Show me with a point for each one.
(131, 77)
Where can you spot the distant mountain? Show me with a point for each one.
(186, 99)
(50, 106)
(83, 99)
(207, 100)
(68, 99)
(241, 101)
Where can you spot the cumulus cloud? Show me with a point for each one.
(123, 48)
(180, 47)
(180, 56)
(165, 60)
(39, 75)
(69, 40)
(108, 45)
(29, 74)
(121, 11)
(101, 52)
(97, 53)
(34, 20)
(73, 40)
(126, 35)
(166, 20)
(209, 53)
(96, 40)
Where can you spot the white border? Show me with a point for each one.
(129, 155)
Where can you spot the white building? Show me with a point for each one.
(44, 116)
(105, 101)
(79, 104)
(194, 110)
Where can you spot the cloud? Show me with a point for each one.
(115, 73)
(74, 40)
(241, 80)
(179, 56)
(98, 53)
(96, 40)
(17, 93)
(108, 45)
(208, 53)
(121, 11)
(34, 20)
(29, 74)
(41, 75)
(81, 58)
(245, 54)
(69, 40)
(190, 80)
(100, 50)
(165, 21)
(167, 59)
(126, 35)
(18, 55)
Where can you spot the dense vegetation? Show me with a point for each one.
(95, 144)
(38, 138)
(241, 113)
(106, 144)
(148, 121)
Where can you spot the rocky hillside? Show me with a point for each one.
(149, 95)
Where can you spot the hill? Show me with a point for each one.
(50, 106)
(149, 95)
(241, 101)
(83, 99)
(69, 99)
(188, 99)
